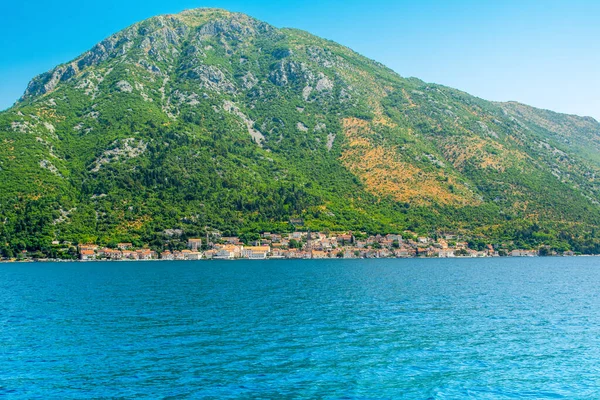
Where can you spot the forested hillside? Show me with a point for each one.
(214, 120)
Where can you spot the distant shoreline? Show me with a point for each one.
(289, 259)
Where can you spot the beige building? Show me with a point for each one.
(194, 244)
(255, 252)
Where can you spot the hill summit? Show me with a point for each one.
(210, 119)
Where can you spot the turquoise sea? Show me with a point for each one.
(338, 329)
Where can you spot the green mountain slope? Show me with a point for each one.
(211, 119)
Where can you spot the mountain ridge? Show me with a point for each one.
(207, 119)
(220, 10)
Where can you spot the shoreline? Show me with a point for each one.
(289, 259)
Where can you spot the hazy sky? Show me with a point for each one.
(544, 53)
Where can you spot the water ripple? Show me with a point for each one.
(339, 329)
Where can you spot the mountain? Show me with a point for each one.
(209, 119)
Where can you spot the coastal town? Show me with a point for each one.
(308, 245)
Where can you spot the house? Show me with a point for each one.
(224, 254)
(124, 246)
(326, 245)
(318, 254)
(86, 255)
(441, 243)
(344, 239)
(129, 255)
(185, 253)
(303, 254)
(102, 252)
(255, 252)
(145, 254)
(111, 254)
(257, 255)
(167, 255)
(383, 253)
(446, 253)
(524, 253)
(293, 253)
(210, 254)
(278, 253)
(405, 252)
(349, 254)
(178, 255)
(276, 238)
(194, 244)
(235, 250)
(313, 244)
(194, 255)
(394, 238)
(370, 254)
(387, 243)
(232, 240)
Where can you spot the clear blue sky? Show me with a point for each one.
(545, 53)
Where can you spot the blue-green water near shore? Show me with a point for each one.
(480, 328)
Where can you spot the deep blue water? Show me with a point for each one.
(480, 328)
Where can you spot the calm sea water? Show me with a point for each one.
(480, 328)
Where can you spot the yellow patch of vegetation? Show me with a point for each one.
(135, 224)
(49, 113)
(384, 120)
(520, 205)
(384, 173)
(485, 154)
